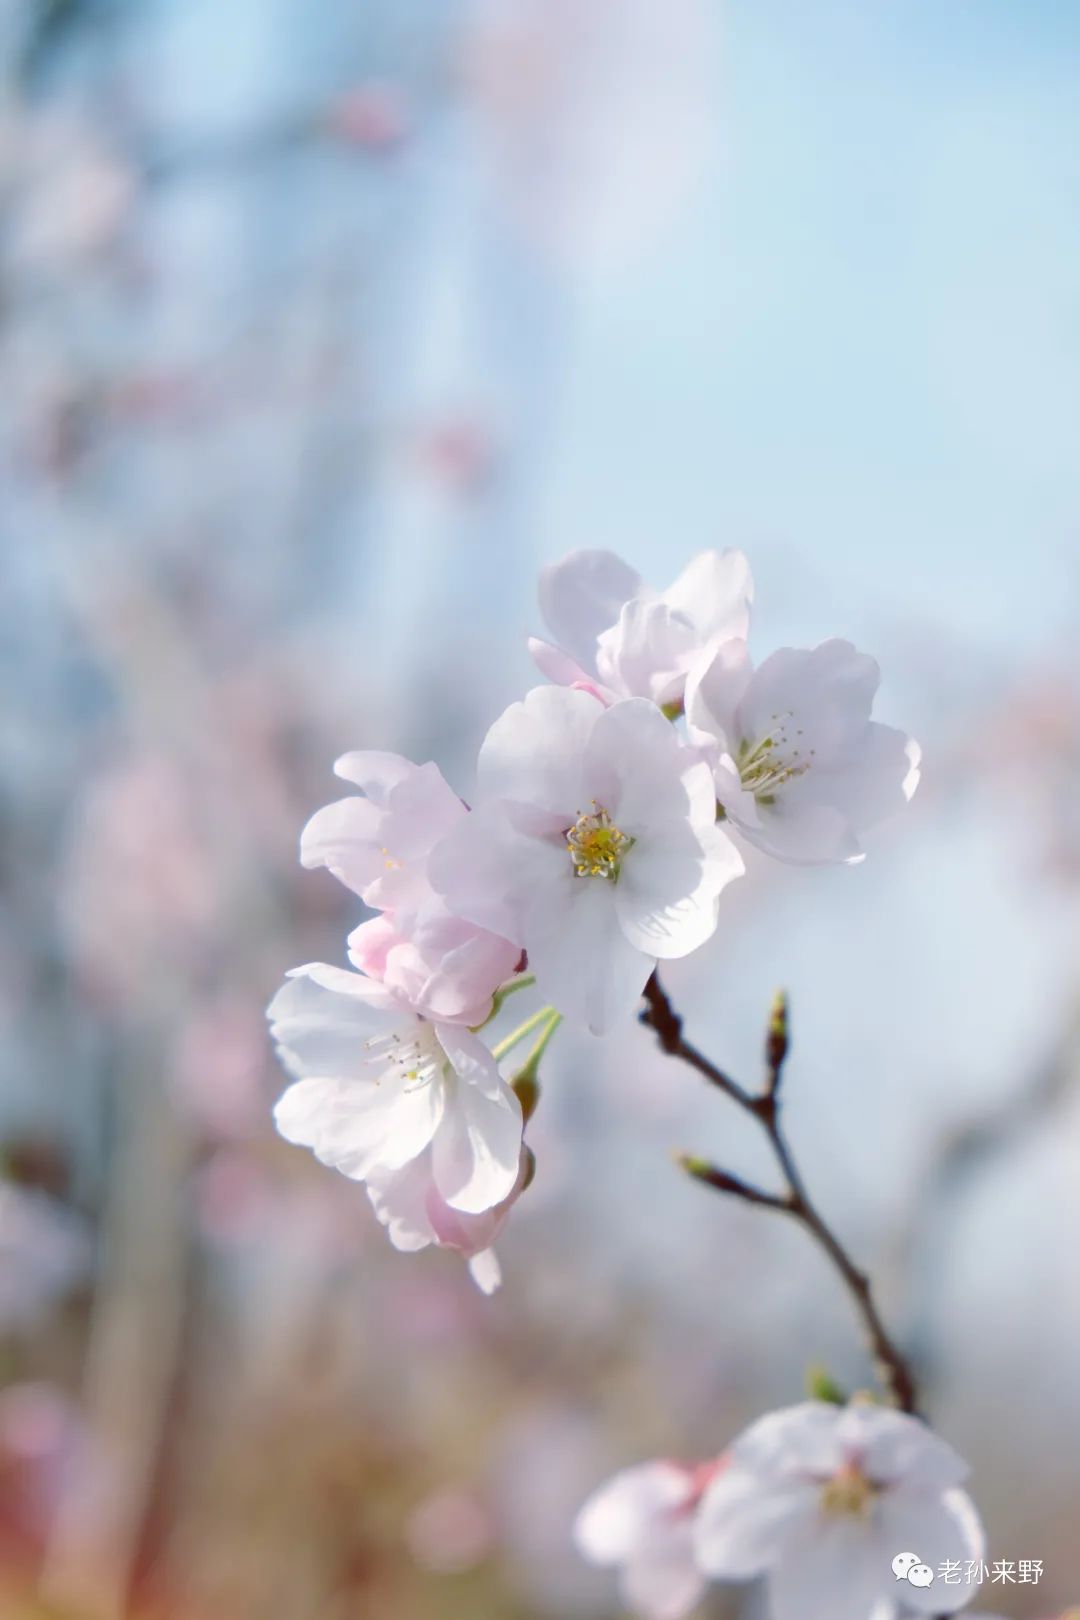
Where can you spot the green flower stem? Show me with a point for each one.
(524, 982)
(516, 1036)
(532, 1062)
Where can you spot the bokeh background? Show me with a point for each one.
(321, 328)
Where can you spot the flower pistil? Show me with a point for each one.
(596, 846)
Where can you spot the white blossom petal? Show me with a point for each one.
(485, 1271)
(476, 1154)
(941, 1527)
(532, 754)
(830, 1571)
(582, 596)
(609, 1527)
(714, 591)
(746, 1520)
(322, 1016)
(343, 837)
(557, 665)
(583, 961)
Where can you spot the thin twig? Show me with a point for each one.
(660, 1016)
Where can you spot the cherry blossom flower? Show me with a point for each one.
(378, 1085)
(378, 846)
(801, 770)
(594, 848)
(620, 638)
(446, 967)
(642, 1520)
(409, 1204)
(822, 1498)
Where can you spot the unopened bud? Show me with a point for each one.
(526, 1087)
(821, 1386)
(529, 1163)
(777, 1041)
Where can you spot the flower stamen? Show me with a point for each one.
(772, 761)
(848, 1493)
(414, 1060)
(596, 846)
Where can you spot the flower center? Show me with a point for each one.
(848, 1493)
(411, 1055)
(596, 845)
(774, 760)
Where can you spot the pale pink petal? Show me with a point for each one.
(476, 1155)
(487, 869)
(667, 897)
(635, 766)
(343, 837)
(556, 665)
(485, 1271)
(746, 1520)
(355, 1127)
(828, 691)
(399, 1199)
(611, 1524)
(803, 834)
(897, 1448)
(874, 784)
(583, 961)
(532, 754)
(714, 591)
(941, 1527)
(421, 809)
(662, 1582)
(714, 690)
(376, 773)
(831, 1571)
(370, 945)
(795, 1441)
(582, 596)
(647, 652)
(320, 1025)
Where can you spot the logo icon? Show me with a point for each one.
(908, 1566)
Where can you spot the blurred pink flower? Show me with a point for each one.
(44, 1251)
(73, 194)
(140, 895)
(595, 115)
(460, 453)
(450, 1531)
(218, 1066)
(373, 116)
(43, 1440)
(234, 1198)
(642, 1521)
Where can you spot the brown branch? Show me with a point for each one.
(660, 1016)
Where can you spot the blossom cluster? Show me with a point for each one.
(833, 1505)
(609, 811)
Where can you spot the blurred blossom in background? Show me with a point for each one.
(321, 328)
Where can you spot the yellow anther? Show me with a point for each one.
(596, 846)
